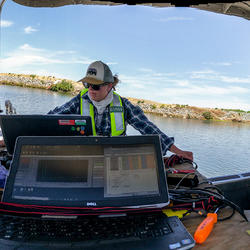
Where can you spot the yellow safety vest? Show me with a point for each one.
(116, 113)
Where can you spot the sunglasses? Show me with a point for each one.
(93, 86)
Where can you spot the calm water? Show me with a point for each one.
(220, 148)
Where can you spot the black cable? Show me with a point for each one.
(216, 188)
(179, 183)
(205, 182)
(203, 192)
(178, 194)
(228, 217)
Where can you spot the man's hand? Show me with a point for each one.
(185, 154)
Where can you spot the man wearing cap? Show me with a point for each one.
(109, 111)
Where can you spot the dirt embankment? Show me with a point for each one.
(41, 82)
(191, 112)
(167, 110)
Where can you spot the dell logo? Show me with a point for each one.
(93, 204)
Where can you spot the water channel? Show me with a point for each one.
(220, 148)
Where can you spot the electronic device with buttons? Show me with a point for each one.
(43, 125)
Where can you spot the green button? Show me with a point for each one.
(80, 122)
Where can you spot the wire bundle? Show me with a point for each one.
(197, 199)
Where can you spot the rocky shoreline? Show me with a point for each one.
(167, 110)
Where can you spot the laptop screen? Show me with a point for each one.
(90, 171)
(42, 125)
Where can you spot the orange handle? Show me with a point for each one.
(205, 228)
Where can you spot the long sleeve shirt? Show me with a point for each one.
(133, 115)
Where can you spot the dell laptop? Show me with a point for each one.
(89, 193)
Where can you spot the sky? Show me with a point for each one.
(168, 55)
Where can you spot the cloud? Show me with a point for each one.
(182, 83)
(27, 55)
(29, 30)
(174, 18)
(218, 63)
(203, 82)
(205, 90)
(111, 63)
(184, 89)
(26, 47)
(132, 82)
(28, 59)
(235, 79)
(202, 74)
(210, 75)
(63, 52)
(145, 70)
(5, 23)
(152, 73)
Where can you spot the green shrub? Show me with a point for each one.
(153, 106)
(32, 76)
(162, 106)
(140, 101)
(63, 86)
(179, 106)
(207, 115)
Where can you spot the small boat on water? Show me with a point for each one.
(233, 233)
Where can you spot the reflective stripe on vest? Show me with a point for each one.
(87, 109)
(116, 114)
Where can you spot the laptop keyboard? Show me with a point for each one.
(88, 228)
